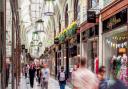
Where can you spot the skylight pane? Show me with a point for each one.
(35, 1)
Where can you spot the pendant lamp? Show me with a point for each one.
(49, 8)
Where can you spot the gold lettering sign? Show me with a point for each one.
(114, 21)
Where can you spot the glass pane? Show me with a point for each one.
(33, 14)
(35, 1)
(35, 7)
(94, 3)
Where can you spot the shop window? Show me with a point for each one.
(97, 30)
(59, 56)
(59, 47)
(94, 31)
(85, 36)
(78, 38)
(91, 32)
(78, 50)
(107, 2)
(92, 3)
(73, 50)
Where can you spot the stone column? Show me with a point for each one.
(100, 36)
(100, 42)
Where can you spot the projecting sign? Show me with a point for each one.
(91, 16)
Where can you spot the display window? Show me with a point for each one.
(115, 52)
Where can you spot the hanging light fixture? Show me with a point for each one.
(40, 44)
(49, 8)
(39, 26)
(32, 44)
(35, 36)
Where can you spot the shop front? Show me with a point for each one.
(64, 48)
(115, 44)
(89, 37)
(73, 52)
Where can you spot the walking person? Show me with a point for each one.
(38, 71)
(84, 78)
(45, 74)
(73, 76)
(32, 71)
(62, 78)
(26, 70)
(103, 82)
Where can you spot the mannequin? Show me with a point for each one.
(124, 69)
(113, 62)
(118, 66)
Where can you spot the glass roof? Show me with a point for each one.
(30, 11)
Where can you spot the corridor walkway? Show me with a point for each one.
(53, 84)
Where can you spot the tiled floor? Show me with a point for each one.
(53, 84)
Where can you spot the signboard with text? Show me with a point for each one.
(91, 16)
(115, 21)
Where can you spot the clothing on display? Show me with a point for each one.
(96, 67)
(119, 66)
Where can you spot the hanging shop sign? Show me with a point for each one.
(115, 21)
(91, 16)
(56, 41)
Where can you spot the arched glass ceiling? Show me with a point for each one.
(30, 11)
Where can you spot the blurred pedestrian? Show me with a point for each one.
(32, 71)
(26, 70)
(84, 78)
(62, 78)
(38, 73)
(73, 75)
(103, 83)
(45, 74)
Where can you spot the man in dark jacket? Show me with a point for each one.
(32, 71)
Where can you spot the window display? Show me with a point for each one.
(119, 67)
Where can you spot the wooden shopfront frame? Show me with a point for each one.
(112, 9)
